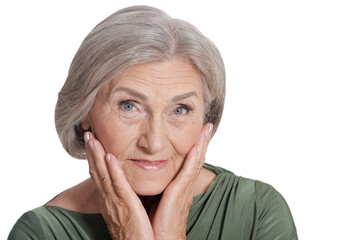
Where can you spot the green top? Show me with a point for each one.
(232, 208)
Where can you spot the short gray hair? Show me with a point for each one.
(132, 36)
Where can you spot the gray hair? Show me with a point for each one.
(132, 36)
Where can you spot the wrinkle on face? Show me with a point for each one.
(151, 130)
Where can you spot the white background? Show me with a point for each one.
(293, 107)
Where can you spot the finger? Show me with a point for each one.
(97, 165)
(89, 145)
(121, 185)
(196, 156)
(204, 144)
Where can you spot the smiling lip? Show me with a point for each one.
(150, 165)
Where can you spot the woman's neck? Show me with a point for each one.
(84, 197)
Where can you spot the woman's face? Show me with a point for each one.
(149, 118)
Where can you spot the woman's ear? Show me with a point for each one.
(85, 124)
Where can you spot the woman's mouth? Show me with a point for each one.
(149, 165)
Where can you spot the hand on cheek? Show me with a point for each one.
(170, 218)
(121, 208)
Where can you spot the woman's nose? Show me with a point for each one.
(153, 138)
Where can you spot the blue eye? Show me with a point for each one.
(127, 106)
(182, 110)
(179, 111)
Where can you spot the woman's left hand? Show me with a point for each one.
(170, 218)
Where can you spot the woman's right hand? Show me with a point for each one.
(120, 206)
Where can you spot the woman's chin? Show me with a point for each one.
(148, 191)
(150, 187)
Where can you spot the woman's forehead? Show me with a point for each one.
(175, 74)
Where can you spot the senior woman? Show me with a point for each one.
(143, 97)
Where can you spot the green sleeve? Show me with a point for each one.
(27, 227)
(274, 216)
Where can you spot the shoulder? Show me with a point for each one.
(28, 226)
(274, 217)
(33, 224)
(71, 210)
(230, 183)
(58, 223)
(269, 201)
(266, 194)
(265, 208)
(263, 194)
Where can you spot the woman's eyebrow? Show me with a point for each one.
(144, 98)
(184, 96)
(132, 92)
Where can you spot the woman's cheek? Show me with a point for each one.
(116, 135)
(185, 139)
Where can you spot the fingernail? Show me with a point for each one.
(87, 137)
(210, 129)
(90, 142)
(198, 148)
(107, 157)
